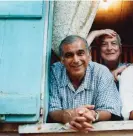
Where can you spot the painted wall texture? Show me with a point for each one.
(72, 17)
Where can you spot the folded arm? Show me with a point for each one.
(96, 33)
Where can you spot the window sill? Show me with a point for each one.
(59, 128)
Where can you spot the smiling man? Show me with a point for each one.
(81, 91)
(110, 50)
(109, 44)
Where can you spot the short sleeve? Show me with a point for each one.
(108, 97)
(54, 98)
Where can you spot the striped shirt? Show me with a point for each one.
(97, 88)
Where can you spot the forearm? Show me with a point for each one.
(131, 115)
(92, 35)
(61, 116)
(104, 115)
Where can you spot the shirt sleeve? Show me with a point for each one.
(54, 98)
(108, 97)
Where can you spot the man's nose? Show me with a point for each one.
(75, 58)
(109, 46)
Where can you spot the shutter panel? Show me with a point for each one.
(21, 9)
(21, 53)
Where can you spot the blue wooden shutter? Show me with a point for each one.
(21, 51)
(21, 9)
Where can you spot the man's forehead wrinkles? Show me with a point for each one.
(109, 41)
(75, 51)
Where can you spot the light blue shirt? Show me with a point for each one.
(97, 88)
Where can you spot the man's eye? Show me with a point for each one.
(68, 55)
(80, 53)
(115, 44)
(104, 44)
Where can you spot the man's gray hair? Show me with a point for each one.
(69, 40)
(118, 39)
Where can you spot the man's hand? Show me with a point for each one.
(131, 115)
(109, 32)
(96, 33)
(118, 71)
(82, 118)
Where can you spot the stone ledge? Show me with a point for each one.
(59, 128)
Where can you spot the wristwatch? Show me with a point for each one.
(97, 116)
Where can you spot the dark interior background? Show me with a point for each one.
(119, 17)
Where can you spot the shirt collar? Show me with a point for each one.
(64, 79)
(86, 82)
(87, 78)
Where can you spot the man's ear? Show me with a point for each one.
(120, 49)
(90, 57)
(89, 54)
(62, 60)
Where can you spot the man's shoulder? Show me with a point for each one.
(58, 70)
(99, 70)
(57, 65)
(97, 66)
